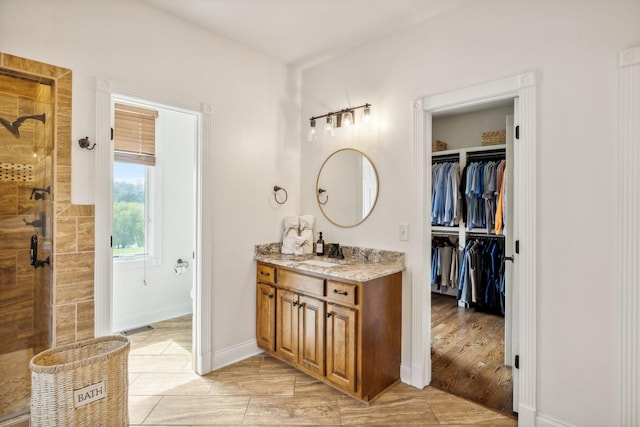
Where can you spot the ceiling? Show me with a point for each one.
(304, 32)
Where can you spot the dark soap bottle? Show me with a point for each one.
(320, 246)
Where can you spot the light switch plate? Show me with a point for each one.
(403, 232)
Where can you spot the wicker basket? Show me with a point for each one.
(494, 138)
(437, 145)
(81, 384)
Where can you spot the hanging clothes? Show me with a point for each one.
(444, 262)
(481, 275)
(482, 184)
(445, 198)
(501, 207)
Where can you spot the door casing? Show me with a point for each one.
(103, 274)
(523, 87)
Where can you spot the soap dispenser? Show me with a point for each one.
(320, 246)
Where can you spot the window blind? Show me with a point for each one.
(135, 135)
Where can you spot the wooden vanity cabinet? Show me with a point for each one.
(300, 331)
(342, 332)
(266, 309)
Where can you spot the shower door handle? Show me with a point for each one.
(33, 254)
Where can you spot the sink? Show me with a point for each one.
(319, 263)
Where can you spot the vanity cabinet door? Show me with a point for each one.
(341, 346)
(266, 317)
(287, 325)
(311, 334)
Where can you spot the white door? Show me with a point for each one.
(511, 287)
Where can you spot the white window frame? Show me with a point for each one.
(152, 208)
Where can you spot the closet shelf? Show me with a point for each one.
(454, 229)
(469, 150)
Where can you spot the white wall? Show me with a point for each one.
(572, 46)
(144, 291)
(254, 99)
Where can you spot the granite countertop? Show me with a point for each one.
(359, 264)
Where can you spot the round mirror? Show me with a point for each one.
(347, 187)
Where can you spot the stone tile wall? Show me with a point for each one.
(61, 296)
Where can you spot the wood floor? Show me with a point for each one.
(467, 354)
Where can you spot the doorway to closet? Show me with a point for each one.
(471, 245)
(524, 88)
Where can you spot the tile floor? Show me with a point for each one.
(261, 390)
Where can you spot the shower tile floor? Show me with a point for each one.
(261, 390)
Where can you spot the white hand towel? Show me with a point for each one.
(303, 245)
(306, 231)
(291, 228)
(307, 222)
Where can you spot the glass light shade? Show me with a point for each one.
(366, 115)
(312, 135)
(347, 119)
(328, 128)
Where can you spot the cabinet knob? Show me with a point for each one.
(345, 293)
(294, 303)
(329, 314)
(265, 274)
(270, 296)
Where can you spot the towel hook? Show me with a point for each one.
(275, 195)
(326, 196)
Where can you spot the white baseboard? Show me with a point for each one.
(526, 416)
(405, 374)
(143, 319)
(236, 353)
(546, 421)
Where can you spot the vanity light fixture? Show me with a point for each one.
(343, 118)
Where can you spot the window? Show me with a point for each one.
(130, 203)
(135, 217)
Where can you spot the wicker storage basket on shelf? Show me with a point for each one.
(437, 145)
(494, 138)
(81, 384)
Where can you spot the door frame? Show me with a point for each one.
(103, 274)
(523, 87)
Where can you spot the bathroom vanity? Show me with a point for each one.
(336, 320)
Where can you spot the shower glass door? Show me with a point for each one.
(26, 194)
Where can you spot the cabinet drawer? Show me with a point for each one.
(266, 274)
(301, 282)
(342, 292)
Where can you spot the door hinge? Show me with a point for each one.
(112, 134)
(518, 132)
(516, 362)
(517, 246)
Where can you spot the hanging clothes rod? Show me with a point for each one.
(445, 158)
(475, 234)
(486, 155)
